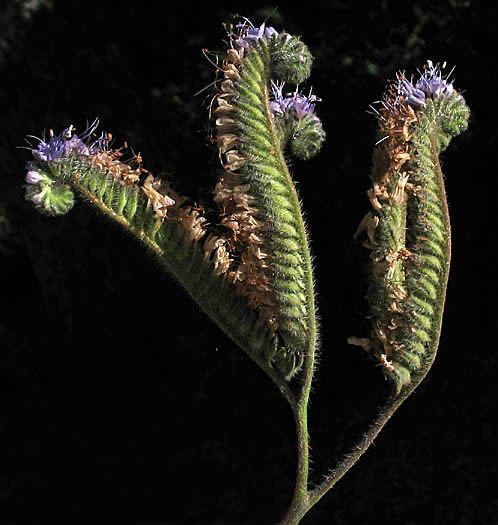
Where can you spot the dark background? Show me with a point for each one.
(119, 398)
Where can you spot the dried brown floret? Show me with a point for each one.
(160, 202)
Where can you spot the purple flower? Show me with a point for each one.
(66, 144)
(279, 104)
(50, 150)
(295, 104)
(412, 94)
(430, 85)
(249, 34)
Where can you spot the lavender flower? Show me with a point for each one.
(250, 34)
(280, 103)
(66, 144)
(430, 85)
(411, 94)
(295, 104)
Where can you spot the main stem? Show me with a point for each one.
(304, 500)
(301, 495)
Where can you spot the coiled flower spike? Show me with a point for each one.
(48, 197)
(408, 229)
(53, 196)
(266, 239)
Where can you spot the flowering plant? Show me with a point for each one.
(249, 266)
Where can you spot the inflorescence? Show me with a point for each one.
(52, 198)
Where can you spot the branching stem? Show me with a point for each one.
(305, 499)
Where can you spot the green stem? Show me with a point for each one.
(301, 495)
(393, 403)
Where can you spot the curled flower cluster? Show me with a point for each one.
(298, 124)
(295, 104)
(53, 198)
(249, 35)
(47, 196)
(430, 85)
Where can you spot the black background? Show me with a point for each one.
(119, 398)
